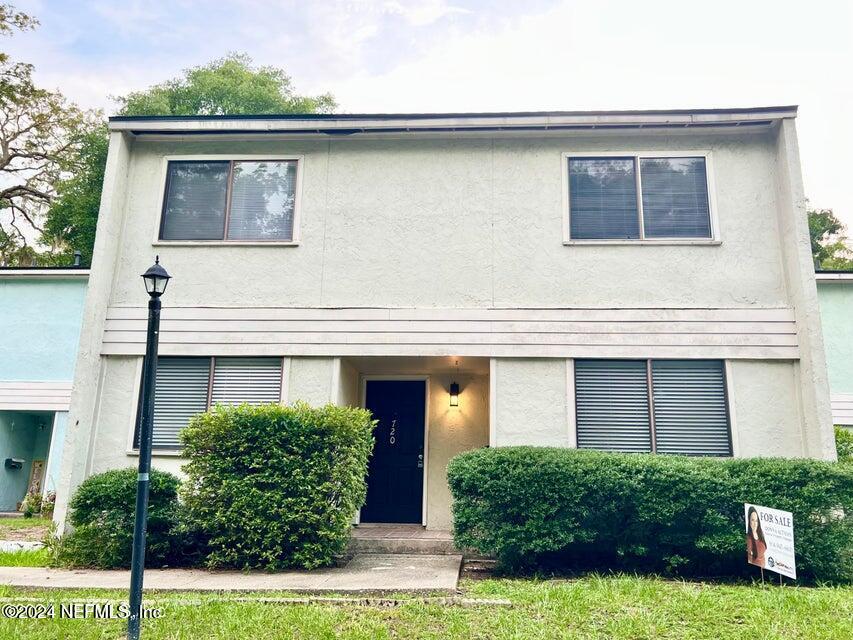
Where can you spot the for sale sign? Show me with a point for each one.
(770, 539)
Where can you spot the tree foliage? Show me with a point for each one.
(829, 243)
(73, 215)
(37, 148)
(226, 86)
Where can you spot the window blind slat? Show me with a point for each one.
(195, 201)
(250, 380)
(263, 196)
(180, 393)
(675, 198)
(612, 405)
(691, 414)
(603, 199)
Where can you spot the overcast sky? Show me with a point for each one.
(460, 55)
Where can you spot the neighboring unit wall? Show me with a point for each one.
(21, 437)
(39, 327)
(835, 292)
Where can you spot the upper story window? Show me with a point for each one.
(638, 198)
(229, 200)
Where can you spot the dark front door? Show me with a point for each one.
(395, 476)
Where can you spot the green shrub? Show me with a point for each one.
(844, 444)
(31, 504)
(584, 509)
(273, 486)
(102, 513)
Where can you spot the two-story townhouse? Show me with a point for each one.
(630, 281)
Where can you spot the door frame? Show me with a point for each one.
(363, 383)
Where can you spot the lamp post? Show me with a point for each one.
(156, 278)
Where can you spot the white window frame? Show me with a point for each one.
(132, 450)
(266, 157)
(637, 156)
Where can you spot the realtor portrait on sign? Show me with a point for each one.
(770, 539)
(756, 546)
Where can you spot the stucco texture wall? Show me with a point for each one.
(114, 419)
(766, 412)
(452, 430)
(531, 402)
(39, 327)
(482, 217)
(312, 380)
(836, 311)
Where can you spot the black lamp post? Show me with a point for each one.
(156, 279)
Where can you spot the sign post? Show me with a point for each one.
(770, 540)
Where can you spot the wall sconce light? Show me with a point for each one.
(454, 389)
(454, 394)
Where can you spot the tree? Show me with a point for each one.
(226, 86)
(229, 85)
(73, 216)
(36, 147)
(829, 244)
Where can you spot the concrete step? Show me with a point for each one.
(400, 539)
(411, 546)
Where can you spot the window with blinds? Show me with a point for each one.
(250, 380)
(189, 386)
(612, 405)
(638, 198)
(661, 406)
(229, 200)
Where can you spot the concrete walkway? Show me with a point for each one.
(364, 573)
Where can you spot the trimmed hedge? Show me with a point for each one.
(102, 514)
(844, 444)
(275, 486)
(575, 509)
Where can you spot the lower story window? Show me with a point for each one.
(186, 386)
(658, 406)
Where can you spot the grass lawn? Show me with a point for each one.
(26, 558)
(590, 607)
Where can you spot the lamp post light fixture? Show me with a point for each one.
(156, 278)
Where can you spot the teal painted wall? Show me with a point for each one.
(21, 436)
(40, 327)
(836, 312)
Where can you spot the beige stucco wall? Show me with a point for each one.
(349, 393)
(531, 402)
(452, 430)
(312, 380)
(482, 217)
(765, 409)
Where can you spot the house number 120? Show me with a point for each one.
(393, 436)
